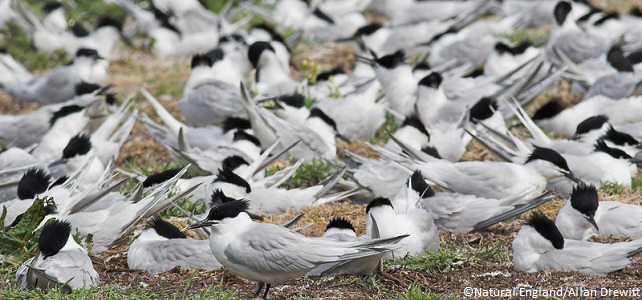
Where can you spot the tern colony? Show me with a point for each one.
(445, 71)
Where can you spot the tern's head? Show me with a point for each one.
(233, 162)
(601, 146)
(420, 185)
(78, 145)
(256, 50)
(35, 181)
(339, 226)
(562, 9)
(79, 30)
(546, 228)
(63, 112)
(589, 125)
(273, 34)
(224, 211)
(483, 109)
(393, 60)
(231, 38)
(518, 49)
(315, 112)
(242, 135)
(432, 80)
(379, 202)
(228, 176)
(219, 197)
(322, 16)
(549, 163)
(83, 88)
(549, 110)
(160, 177)
(165, 229)
(88, 54)
(199, 60)
(432, 151)
(109, 22)
(216, 55)
(617, 60)
(51, 6)
(54, 237)
(326, 75)
(368, 29)
(236, 123)
(619, 138)
(584, 199)
(413, 121)
(606, 17)
(294, 100)
(339, 223)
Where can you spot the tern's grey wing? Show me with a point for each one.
(615, 86)
(460, 213)
(597, 258)
(72, 267)
(39, 278)
(261, 121)
(21, 274)
(284, 252)
(564, 260)
(580, 46)
(58, 86)
(23, 130)
(383, 178)
(619, 219)
(311, 146)
(210, 102)
(493, 179)
(359, 266)
(164, 255)
(281, 254)
(473, 50)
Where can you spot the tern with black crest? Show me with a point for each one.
(268, 253)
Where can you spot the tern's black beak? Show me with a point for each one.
(255, 217)
(591, 220)
(346, 39)
(572, 177)
(576, 137)
(204, 223)
(343, 138)
(365, 60)
(58, 162)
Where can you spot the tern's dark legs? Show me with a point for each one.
(258, 291)
(267, 288)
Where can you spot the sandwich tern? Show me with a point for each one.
(60, 262)
(162, 247)
(268, 253)
(539, 245)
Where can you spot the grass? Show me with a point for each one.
(612, 188)
(389, 126)
(113, 291)
(523, 34)
(23, 51)
(449, 258)
(416, 292)
(195, 207)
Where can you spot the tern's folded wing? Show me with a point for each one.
(164, 255)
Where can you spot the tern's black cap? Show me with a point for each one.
(546, 227)
(35, 181)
